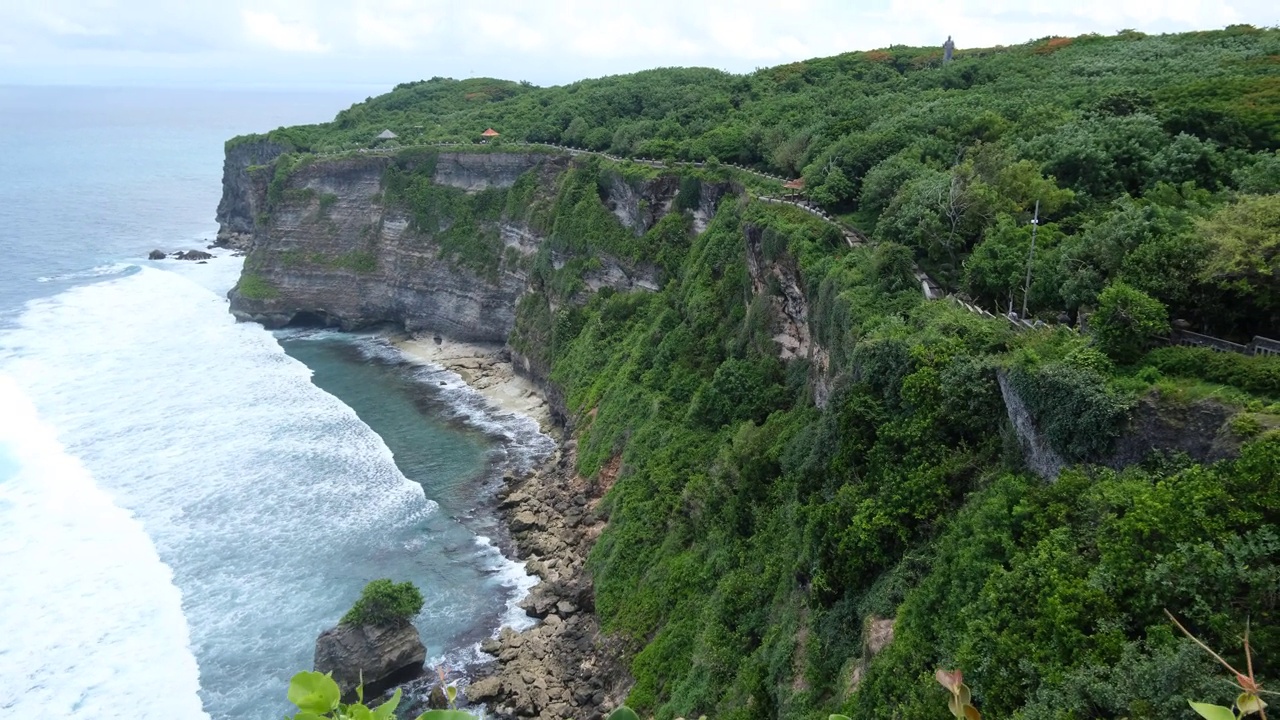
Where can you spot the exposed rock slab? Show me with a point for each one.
(384, 654)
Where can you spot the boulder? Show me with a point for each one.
(194, 255)
(527, 520)
(482, 690)
(156, 255)
(384, 653)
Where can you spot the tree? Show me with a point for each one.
(1244, 258)
(1126, 319)
(996, 270)
(383, 602)
(837, 186)
(884, 181)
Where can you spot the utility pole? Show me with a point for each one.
(1026, 287)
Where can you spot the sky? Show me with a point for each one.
(378, 43)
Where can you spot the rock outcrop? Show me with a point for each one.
(479, 171)
(1201, 429)
(357, 263)
(385, 654)
(241, 195)
(334, 250)
(777, 281)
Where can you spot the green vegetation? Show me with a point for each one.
(255, 287)
(383, 602)
(1126, 322)
(765, 511)
(1151, 157)
(752, 534)
(1259, 375)
(318, 697)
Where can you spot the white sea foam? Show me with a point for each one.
(518, 435)
(269, 499)
(514, 576)
(99, 271)
(92, 625)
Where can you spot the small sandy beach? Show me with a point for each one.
(480, 367)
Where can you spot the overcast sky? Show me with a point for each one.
(377, 43)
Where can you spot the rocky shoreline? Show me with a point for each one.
(565, 667)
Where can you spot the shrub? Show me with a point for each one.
(1079, 415)
(385, 603)
(1126, 319)
(255, 287)
(1257, 374)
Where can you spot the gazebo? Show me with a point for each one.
(489, 134)
(795, 188)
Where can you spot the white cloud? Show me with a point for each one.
(501, 30)
(269, 30)
(393, 24)
(388, 41)
(60, 25)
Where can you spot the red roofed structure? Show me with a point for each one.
(490, 133)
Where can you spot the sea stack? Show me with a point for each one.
(385, 654)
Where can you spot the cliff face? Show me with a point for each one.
(240, 192)
(1201, 429)
(333, 252)
(332, 246)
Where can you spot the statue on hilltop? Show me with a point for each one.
(948, 48)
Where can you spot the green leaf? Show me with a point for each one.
(1212, 712)
(963, 695)
(383, 712)
(446, 715)
(623, 713)
(307, 715)
(1249, 703)
(359, 712)
(451, 691)
(314, 692)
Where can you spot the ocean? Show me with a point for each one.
(187, 502)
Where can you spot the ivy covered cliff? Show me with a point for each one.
(821, 485)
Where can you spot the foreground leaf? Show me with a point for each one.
(314, 692)
(1212, 712)
(623, 713)
(446, 715)
(385, 709)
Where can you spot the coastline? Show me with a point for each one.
(487, 369)
(565, 665)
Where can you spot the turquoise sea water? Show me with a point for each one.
(187, 501)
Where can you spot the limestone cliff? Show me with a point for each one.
(332, 252)
(334, 244)
(241, 193)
